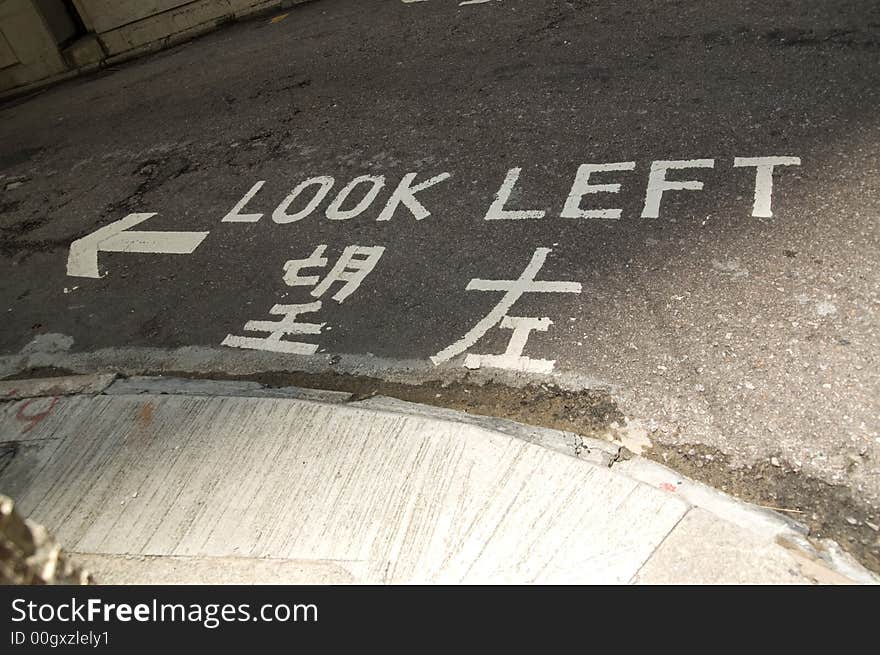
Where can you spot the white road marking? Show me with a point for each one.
(513, 359)
(764, 180)
(278, 329)
(336, 213)
(280, 214)
(292, 278)
(82, 260)
(513, 289)
(496, 210)
(355, 264)
(582, 186)
(405, 194)
(352, 267)
(234, 215)
(657, 182)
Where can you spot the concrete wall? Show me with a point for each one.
(28, 47)
(105, 15)
(37, 44)
(57, 18)
(123, 25)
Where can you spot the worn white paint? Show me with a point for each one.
(235, 215)
(288, 325)
(764, 180)
(355, 264)
(497, 212)
(657, 182)
(292, 268)
(404, 195)
(582, 187)
(352, 267)
(513, 359)
(513, 290)
(387, 496)
(336, 213)
(324, 182)
(82, 260)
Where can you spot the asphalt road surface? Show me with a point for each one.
(673, 203)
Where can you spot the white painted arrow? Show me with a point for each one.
(82, 261)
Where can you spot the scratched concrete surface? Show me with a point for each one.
(186, 488)
(412, 499)
(747, 344)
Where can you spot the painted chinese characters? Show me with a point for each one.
(355, 264)
(522, 327)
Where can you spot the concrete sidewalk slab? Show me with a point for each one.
(161, 570)
(151, 487)
(744, 515)
(705, 549)
(416, 500)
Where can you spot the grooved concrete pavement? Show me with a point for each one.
(181, 487)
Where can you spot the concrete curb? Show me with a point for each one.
(61, 386)
(709, 536)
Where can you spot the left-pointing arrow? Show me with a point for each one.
(82, 261)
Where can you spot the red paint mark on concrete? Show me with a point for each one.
(146, 415)
(33, 420)
(665, 486)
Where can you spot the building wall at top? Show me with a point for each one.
(57, 19)
(39, 40)
(105, 15)
(126, 25)
(28, 48)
